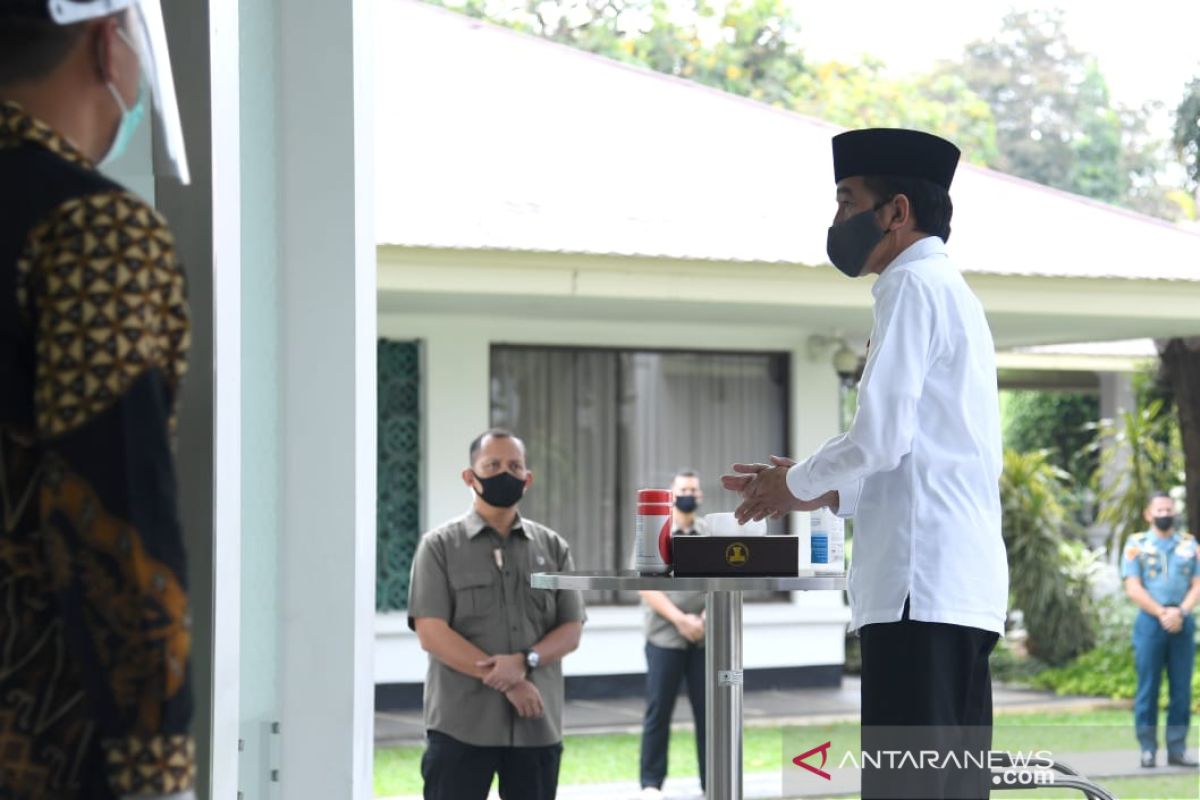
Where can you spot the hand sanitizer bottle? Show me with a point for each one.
(828, 537)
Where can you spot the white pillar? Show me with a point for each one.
(205, 218)
(1116, 394)
(328, 315)
(1116, 398)
(262, 402)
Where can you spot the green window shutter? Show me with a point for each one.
(399, 471)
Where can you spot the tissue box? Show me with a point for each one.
(762, 556)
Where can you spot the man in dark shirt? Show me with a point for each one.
(674, 650)
(494, 690)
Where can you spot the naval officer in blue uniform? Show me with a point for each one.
(1162, 575)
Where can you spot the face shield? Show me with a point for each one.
(149, 34)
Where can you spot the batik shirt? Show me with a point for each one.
(95, 699)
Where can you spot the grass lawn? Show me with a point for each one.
(606, 758)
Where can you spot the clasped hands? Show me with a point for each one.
(691, 627)
(506, 674)
(765, 492)
(1171, 619)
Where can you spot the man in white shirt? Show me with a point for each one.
(918, 469)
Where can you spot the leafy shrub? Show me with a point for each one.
(1108, 670)
(1062, 423)
(1049, 579)
(1007, 666)
(1144, 453)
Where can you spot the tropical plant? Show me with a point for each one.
(1140, 454)
(1108, 669)
(1061, 422)
(1049, 579)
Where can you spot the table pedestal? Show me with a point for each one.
(722, 650)
(723, 695)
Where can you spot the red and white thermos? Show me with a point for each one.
(652, 544)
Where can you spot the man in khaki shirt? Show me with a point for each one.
(674, 650)
(494, 689)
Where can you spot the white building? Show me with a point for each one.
(553, 206)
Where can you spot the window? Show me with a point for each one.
(601, 424)
(399, 467)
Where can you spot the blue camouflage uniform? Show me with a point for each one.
(1166, 567)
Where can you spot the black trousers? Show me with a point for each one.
(926, 686)
(666, 670)
(454, 770)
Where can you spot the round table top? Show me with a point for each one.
(630, 580)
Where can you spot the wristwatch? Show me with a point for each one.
(532, 659)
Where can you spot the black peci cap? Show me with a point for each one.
(894, 151)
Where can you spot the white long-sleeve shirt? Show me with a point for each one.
(919, 468)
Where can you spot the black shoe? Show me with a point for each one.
(1148, 760)
(1182, 760)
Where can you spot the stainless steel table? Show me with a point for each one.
(722, 650)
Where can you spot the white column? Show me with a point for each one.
(262, 402)
(328, 315)
(205, 218)
(1116, 398)
(1116, 394)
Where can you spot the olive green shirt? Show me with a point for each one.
(659, 631)
(486, 598)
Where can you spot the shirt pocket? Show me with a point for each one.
(473, 596)
(543, 610)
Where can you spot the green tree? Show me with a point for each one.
(1187, 131)
(1181, 357)
(861, 95)
(1140, 453)
(1180, 370)
(747, 47)
(1049, 578)
(1061, 423)
(1056, 122)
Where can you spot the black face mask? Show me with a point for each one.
(849, 243)
(502, 491)
(687, 503)
(1164, 524)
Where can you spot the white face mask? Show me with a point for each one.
(131, 117)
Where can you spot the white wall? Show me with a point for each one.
(809, 631)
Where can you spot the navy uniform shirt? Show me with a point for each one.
(1165, 565)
